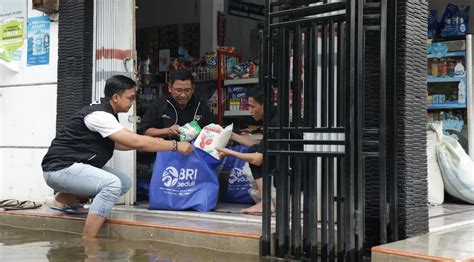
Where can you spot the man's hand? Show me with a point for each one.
(184, 148)
(173, 130)
(223, 152)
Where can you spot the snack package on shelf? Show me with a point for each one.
(455, 21)
(432, 24)
(243, 70)
(213, 136)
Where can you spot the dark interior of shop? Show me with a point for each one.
(168, 34)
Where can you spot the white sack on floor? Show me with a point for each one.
(457, 169)
(435, 179)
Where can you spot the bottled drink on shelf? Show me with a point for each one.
(434, 68)
(459, 69)
(461, 93)
(443, 68)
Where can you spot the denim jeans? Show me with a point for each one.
(106, 184)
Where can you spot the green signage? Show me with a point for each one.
(11, 34)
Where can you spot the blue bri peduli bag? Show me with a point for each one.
(237, 187)
(184, 182)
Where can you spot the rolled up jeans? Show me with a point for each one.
(105, 184)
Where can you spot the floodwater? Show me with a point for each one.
(19, 244)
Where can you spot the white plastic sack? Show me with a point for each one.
(435, 179)
(213, 136)
(457, 169)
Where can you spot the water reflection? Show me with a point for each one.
(17, 244)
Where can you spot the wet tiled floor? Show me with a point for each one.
(451, 238)
(224, 229)
(451, 229)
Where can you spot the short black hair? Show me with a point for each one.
(256, 92)
(117, 84)
(182, 75)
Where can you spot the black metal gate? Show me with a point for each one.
(328, 127)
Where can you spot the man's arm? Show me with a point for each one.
(255, 159)
(128, 139)
(121, 147)
(243, 140)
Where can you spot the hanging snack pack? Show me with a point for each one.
(432, 23)
(213, 136)
(455, 21)
(189, 131)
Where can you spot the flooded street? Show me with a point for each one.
(18, 244)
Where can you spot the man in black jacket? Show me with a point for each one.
(75, 162)
(166, 114)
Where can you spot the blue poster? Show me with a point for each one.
(38, 40)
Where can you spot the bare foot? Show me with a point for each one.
(66, 199)
(256, 209)
(92, 249)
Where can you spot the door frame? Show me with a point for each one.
(121, 157)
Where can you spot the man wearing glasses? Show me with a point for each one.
(166, 114)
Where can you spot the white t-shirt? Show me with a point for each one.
(102, 122)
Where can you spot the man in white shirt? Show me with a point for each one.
(75, 162)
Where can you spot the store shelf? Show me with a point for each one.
(240, 81)
(449, 54)
(235, 113)
(203, 81)
(432, 79)
(446, 105)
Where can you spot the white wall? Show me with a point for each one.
(27, 123)
(238, 35)
(152, 13)
(440, 5)
(208, 24)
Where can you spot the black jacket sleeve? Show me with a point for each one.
(207, 116)
(152, 117)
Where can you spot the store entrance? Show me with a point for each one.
(450, 107)
(161, 29)
(171, 36)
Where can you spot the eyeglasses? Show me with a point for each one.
(186, 91)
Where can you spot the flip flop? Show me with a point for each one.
(8, 203)
(70, 211)
(27, 204)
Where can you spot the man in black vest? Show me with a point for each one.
(166, 114)
(74, 163)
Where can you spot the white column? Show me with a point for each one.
(208, 24)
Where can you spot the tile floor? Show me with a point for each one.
(451, 228)
(451, 238)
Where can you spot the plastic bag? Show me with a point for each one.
(189, 131)
(457, 169)
(184, 182)
(455, 21)
(435, 179)
(238, 185)
(213, 136)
